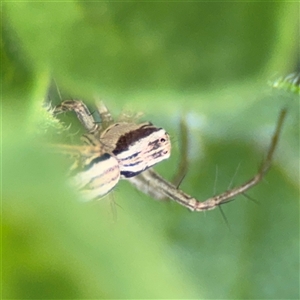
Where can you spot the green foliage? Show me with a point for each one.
(210, 62)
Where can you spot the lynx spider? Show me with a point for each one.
(124, 149)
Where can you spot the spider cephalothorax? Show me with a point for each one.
(128, 150)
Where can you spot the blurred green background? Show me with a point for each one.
(210, 62)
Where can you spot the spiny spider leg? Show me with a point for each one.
(87, 120)
(161, 186)
(82, 112)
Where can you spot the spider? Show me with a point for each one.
(128, 150)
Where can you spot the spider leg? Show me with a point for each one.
(229, 194)
(82, 112)
(87, 120)
(105, 115)
(161, 186)
(184, 145)
(143, 182)
(86, 153)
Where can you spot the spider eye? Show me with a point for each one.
(162, 140)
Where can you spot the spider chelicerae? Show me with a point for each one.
(124, 149)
